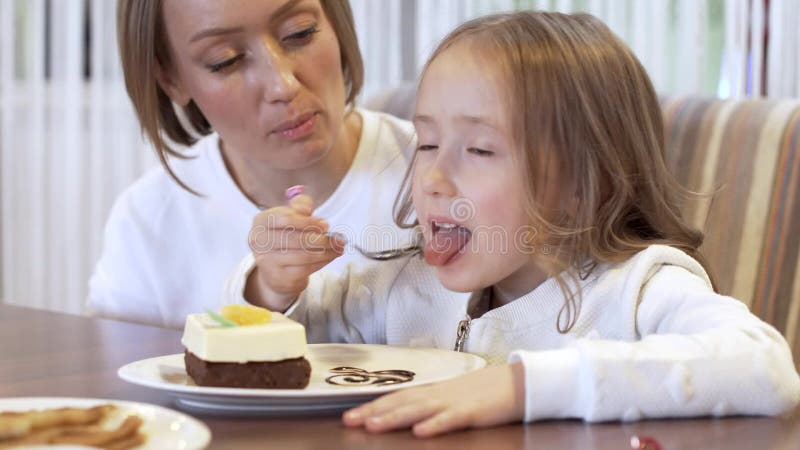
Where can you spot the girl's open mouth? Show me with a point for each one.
(447, 242)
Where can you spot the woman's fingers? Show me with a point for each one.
(280, 241)
(297, 257)
(288, 273)
(302, 204)
(291, 228)
(288, 244)
(286, 217)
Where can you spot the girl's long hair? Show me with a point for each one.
(578, 97)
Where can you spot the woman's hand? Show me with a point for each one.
(484, 398)
(288, 244)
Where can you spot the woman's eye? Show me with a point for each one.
(301, 36)
(480, 151)
(216, 67)
(423, 148)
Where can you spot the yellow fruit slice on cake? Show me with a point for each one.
(245, 314)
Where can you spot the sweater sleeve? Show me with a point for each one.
(699, 353)
(348, 306)
(123, 285)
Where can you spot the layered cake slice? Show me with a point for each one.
(246, 347)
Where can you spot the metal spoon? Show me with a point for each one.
(380, 255)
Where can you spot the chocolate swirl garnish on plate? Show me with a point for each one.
(353, 376)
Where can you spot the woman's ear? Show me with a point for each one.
(172, 86)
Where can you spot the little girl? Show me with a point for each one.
(553, 247)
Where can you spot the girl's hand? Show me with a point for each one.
(484, 398)
(288, 244)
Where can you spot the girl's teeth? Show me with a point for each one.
(445, 225)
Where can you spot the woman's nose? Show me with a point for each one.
(280, 83)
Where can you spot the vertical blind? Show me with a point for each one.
(69, 141)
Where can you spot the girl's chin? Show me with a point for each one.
(458, 281)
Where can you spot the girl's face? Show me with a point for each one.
(266, 74)
(467, 188)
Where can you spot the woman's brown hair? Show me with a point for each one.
(143, 47)
(577, 94)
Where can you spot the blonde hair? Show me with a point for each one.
(576, 93)
(143, 46)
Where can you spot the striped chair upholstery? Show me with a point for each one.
(743, 157)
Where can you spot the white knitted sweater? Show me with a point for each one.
(652, 338)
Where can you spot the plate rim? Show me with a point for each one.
(204, 436)
(285, 394)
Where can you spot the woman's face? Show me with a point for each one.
(266, 74)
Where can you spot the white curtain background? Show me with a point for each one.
(69, 142)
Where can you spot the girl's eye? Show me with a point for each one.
(424, 148)
(301, 37)
(480, 151)
(225, 64)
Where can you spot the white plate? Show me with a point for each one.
(429, 365)
(164, 427)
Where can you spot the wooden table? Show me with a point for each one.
(58, 355)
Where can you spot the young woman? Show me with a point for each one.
(262, 93)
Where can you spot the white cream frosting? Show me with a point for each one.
(280, 338)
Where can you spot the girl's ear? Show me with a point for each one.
(571, 203)
(172, 86)
(571, 206)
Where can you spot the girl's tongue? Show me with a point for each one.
(445, 243)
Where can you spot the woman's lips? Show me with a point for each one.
(297, 128)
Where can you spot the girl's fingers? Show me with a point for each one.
(353, 418)
(357, 416)
(450, 419)
(378, 407)
(402, 417)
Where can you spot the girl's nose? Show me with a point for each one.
(436, 180)
(280, 83)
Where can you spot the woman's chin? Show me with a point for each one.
(297, 158)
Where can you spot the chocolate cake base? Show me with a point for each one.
(286, 374)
